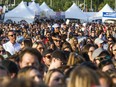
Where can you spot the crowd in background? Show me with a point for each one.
(56, 54)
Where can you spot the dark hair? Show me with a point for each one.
(89, 64)
(27, 43)
(31, 51)
(58, 54)
(47, 51)
(11, 66)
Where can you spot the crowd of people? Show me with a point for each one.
(56, 54)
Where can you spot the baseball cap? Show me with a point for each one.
(98, 41)
(55, 25)
(97, 52)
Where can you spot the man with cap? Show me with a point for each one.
(56, 29)
(102, 59)
(99, 42)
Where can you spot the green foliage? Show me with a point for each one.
(65, 4)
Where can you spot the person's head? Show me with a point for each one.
(83, 77)
(54, 78)
(90, 51)
(11, 67)
(23, 83)
(30, 57)
(99, 42)
(26, 43)
(40, 46)
(12, 36)
(56, 28)
(66, 47)
(93, 33)
(47, 57)
(3, 72)
(30, 72)
(90, 65)
(58, 59)
(114, 49)
(102, 59)
(57, 40)
(110, 40)
(89, 41)
(75, 59)
(2, 51)
(104, 79)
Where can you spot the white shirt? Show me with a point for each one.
(11, 48)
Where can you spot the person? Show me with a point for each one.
(104, 79)
(114, 53)
(58, 59)
(57, 41)
(82, 76)
(12, 46)
(87, 51)
(26, 43)
(47, 56)
(102, 59)
(31, 73)
(54, 78)
(22, 83)
(30, 57)
(99, 42)
(3, 72)
(66, 47)
(39, 46)
(11, 67)
(3, 52)
(75, 59)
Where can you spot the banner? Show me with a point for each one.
(109, 14)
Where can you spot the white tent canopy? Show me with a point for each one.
(47, 11)
(21, 12)
(99, 15)
(75, 12)
(35, 8)
(45, 7)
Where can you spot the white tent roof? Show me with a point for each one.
(75, 12)
(21, 12)
(45, 7)
(35, 8)
(106, 8)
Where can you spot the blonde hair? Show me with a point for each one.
(83, 77)
(74, 59)
(49, 74)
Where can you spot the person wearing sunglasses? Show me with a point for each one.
(12, 46)
(102, 59)
(47, 57)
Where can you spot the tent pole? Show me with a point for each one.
(115, 5)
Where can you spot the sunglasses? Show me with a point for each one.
(48, 56)
(58, 40)
(103, 58)
(12, 35)
(41, 48)
(3, 51)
